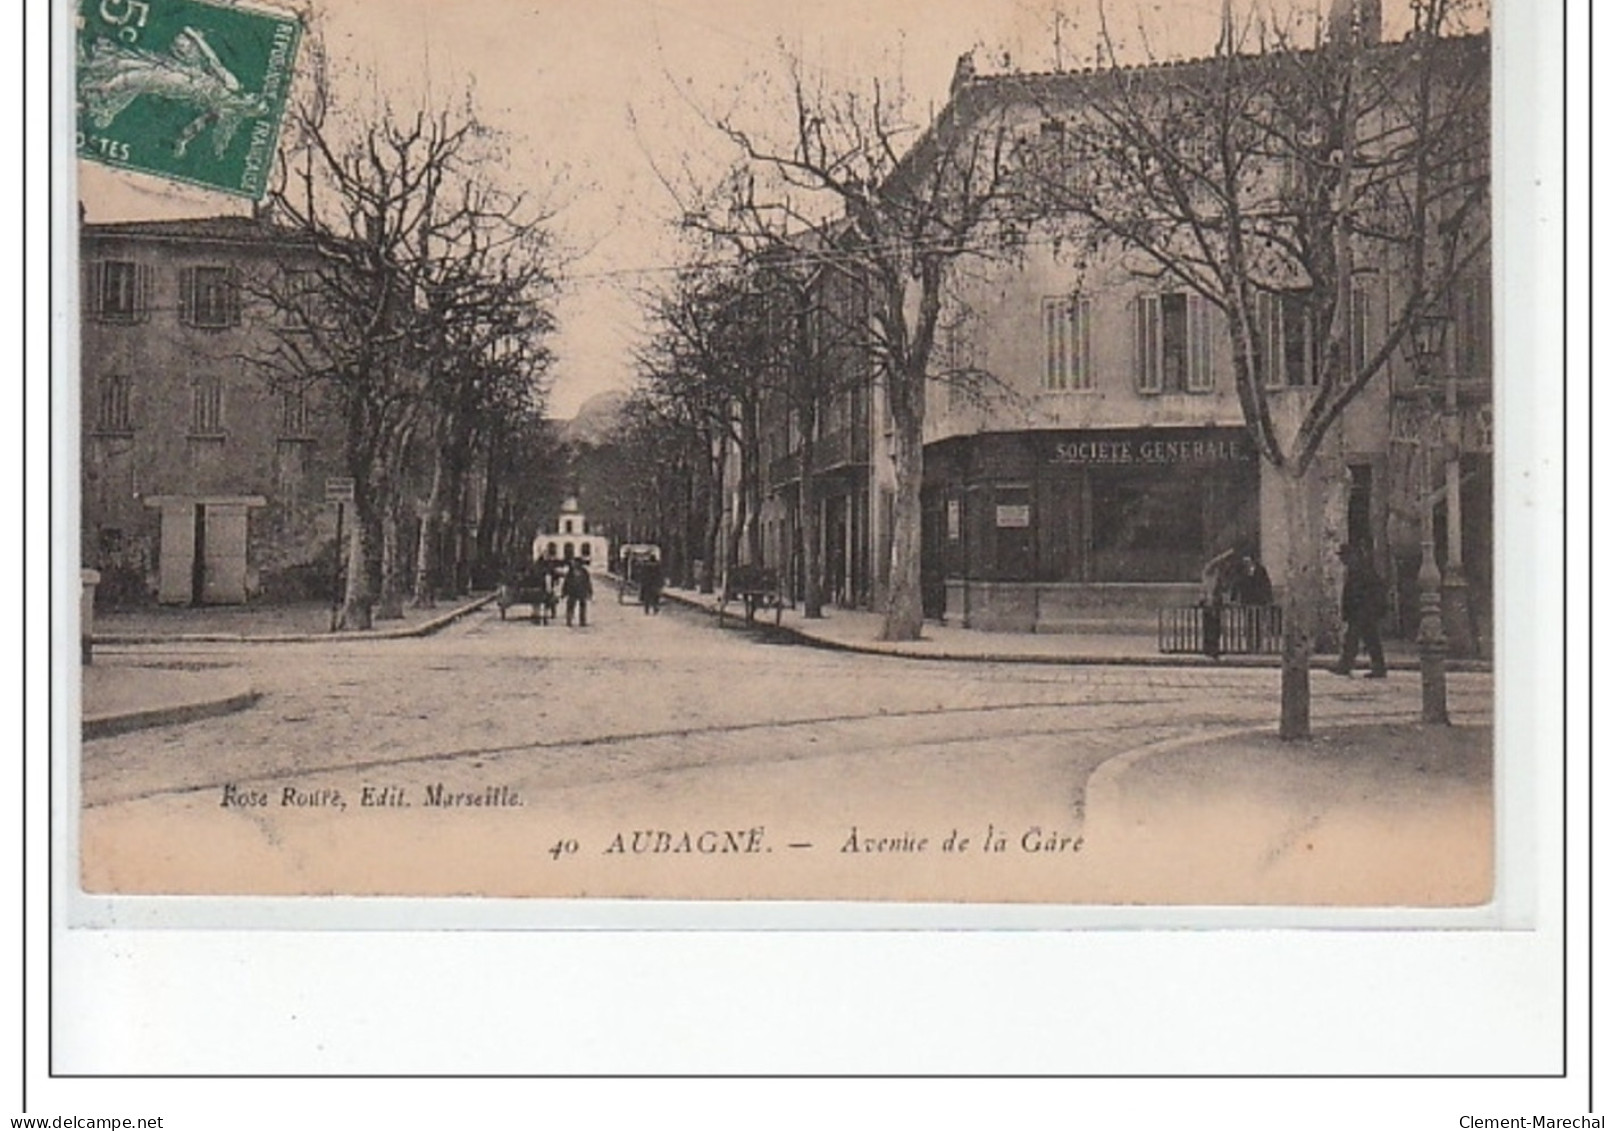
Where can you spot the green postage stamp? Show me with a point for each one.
(184, 89)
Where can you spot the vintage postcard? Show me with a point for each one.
(970, 454)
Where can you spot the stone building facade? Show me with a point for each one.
(203, 478)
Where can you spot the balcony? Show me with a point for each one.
(846, 447)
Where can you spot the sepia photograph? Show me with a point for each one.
(1029, 454)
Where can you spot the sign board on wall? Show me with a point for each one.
(1199, 447)
(1014, 516)
(953, 520)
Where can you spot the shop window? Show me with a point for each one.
(209, 297)
(1172, 343)
(113, 404)
(1066, 355)
(207, 407)
(120, 291)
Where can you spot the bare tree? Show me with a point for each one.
(426, 290)
(818, 354)
(486, 306)
(712, 353)
(914, 204)
(1271, 180)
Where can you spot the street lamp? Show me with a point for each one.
(1429, 336)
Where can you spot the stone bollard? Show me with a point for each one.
(88, 580)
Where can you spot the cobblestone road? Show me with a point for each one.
(523, 755)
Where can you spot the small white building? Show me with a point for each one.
(571, 539)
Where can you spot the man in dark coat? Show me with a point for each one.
(1362, 606)
(650, 584)
(1252, 585)
(578, 590)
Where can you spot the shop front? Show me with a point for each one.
(1079, 530)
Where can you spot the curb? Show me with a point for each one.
(425, 628)
(103, 726)
(1152, 660)
(1103, 789)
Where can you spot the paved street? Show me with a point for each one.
(659, 756)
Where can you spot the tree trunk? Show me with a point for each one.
(390, 605)
(1302, 600)
(904, 612)
(357, 602)
(425, 595)
(808, 510)
(713, 534)
(753, 495)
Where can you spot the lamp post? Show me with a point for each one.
(1454, 585)
(1428, 335)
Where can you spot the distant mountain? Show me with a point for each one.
(596, 419)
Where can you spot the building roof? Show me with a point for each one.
(204, 229)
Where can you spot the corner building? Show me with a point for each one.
(202, 480)
(1106, 460)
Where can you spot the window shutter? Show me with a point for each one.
(143, 291)
(1270, 339)
(187, 296)
(1147, 342)
(233, 298)
(1200, 338)
(1081, 371)
(94, 281)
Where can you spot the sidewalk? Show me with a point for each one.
(120, 696)
(856, 630)
(266, 624)
(123, 693)
(1385, 815)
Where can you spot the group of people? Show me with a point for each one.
(567, 580)
(1233, 578)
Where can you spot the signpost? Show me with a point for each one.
(340, 492)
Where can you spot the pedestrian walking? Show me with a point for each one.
(578, 590)
(650, 584)
(1362, 605)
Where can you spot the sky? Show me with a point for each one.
(601, 101)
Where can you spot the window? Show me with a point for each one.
(294, 413)
(112, 405)
(1066, 330)
(120, 291)
(1172, 341)
(209, 297)
(1472, 325)
(1285, 341)
(1361, 341)
(207, 407)
(300, 300)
